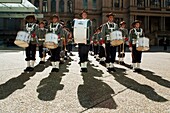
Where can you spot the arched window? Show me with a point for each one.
(61, 6)
(167, 3)
(85, 4)
(45, 6)
(36, 3)
(94, 22)
(94, 4)
(141, 3)
(155, 3)
(53, 5)
(70, 6)
(116, 3)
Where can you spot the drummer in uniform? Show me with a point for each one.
(95, 39)
(56, 27)
(122, 47)
(110, 50)
(30, 27)
(40, 33)
(83, 48)
(135, 33)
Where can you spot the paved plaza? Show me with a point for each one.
(97, 91)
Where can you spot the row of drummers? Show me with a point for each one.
(52, 39)
(108, 37)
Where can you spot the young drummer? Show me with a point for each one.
(107, 28)
(135, 33)
(30, 27)
(40, 33)
(122, 47)
(56, 27)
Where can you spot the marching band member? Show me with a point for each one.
(83, 48)
(64, 37)
(95, 39)
(107, 28)
(40, 33)
(134, 34)
(31, 26)
(69, 43)
(122, 47)
(56, 27)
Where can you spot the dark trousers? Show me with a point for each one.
(101, 51)
(110, 53)
(69, 47)
(91, 47)
(120, 50)
(83, 50)
(55, 54)
(96, 49)
(136, 55)
(30, 52)
(42, 52)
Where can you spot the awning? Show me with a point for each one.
(25, 6)
(19, 9)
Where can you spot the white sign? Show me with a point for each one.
(10, 1)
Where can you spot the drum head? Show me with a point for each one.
(51, 45)
(116, 42)
(21, 43)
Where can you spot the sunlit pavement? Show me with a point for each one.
(97, 91)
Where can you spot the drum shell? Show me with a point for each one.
(142, 44)
(51, 41)
(116, 38)
(22, 39)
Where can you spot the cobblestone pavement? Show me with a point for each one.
(70, 91)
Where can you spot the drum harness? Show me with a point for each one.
(138, 36)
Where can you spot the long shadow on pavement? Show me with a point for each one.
(94, 93)
(135, 86)
(49, 86)
(16, 83)
(156, 78)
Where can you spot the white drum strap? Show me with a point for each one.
(29, 29)
(54, 29)
(138, 33)
(111, 28)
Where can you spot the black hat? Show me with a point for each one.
(110, 14)
(122, 22)
(136, 21)
(84, 11)
(30, 16)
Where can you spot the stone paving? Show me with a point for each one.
(70, 91)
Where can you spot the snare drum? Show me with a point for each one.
(51, 40)
(22, 39)
(116, 38)
(142, 44)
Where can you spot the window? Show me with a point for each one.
(155, 3)
(44, 6)
(70, 6)
(140, 3)
(94, 4)
(36, 3)
(116, 3)
(53, 5)
(85, 4)
(167, 3)
(61, 4)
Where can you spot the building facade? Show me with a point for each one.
(154, 14)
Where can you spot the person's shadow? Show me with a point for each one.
(49, 86)
(41, 67)
(14, 84)
(156, 78)
(95, 93)
(146, 90)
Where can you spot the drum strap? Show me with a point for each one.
(111, 27)
(138, 33)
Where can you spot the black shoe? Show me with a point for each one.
(71, 54)
(56, 70)
(122, 63)
(108, 70)
(102, 62)
(41, 62)
(31, 69)
(113, 69)
(27, 69)
(83, 70)
(53, 70)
